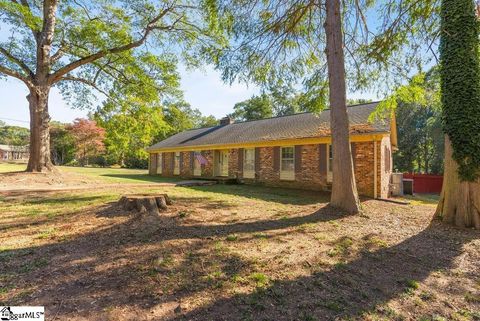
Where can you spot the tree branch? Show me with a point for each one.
(87, 82)
(17, 61)
(56, 76)
(15, 74)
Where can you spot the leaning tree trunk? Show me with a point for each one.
(344, 189)
(39, 160)
(460, 201)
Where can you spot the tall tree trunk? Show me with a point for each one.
(39, 160)
(344, 189)
(460, 201)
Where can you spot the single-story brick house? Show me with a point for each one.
(289, 151)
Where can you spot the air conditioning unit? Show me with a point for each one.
(396, 188)
(408, 186)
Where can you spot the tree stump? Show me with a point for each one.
(145, 203)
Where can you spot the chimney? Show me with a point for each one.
(226, 121)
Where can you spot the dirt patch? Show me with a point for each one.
(237, 253)
(44, 180)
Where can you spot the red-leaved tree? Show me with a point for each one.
(88, 139)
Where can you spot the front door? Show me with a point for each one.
(221, 163)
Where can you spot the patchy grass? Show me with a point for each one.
(11, 167)
(235, 252)
(422, 199)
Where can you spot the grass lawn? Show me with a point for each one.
(105, 175)
(230, 252)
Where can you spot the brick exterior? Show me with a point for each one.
(207, 169)
(308, 176)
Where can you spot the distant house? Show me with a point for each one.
(289, 151)
(12, 152)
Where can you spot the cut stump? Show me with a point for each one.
(145, 203)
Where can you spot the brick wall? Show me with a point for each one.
(207, 169)
(364, 168)
(233, 170)
(185, 167)
(167, 169)
(309, 176)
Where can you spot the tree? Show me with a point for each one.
(14, 135)
(344, 189)
(134, 124)
(284, 41)
(418, 113)
(101, 45)
(88, 139)
(256, 107)
(130, 129)
(460, 83)
(62, 144)
(180, 116)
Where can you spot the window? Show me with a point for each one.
(176, 163)
(249, 163)
(287, 163)
(197, 166)
(330, 164)
(159, 163)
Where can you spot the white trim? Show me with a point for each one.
(159, 163)
(287, 175)
(248, 173)
(197, 170)
(329, 172)
(176, 169)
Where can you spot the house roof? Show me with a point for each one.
(304, 125)
(13, 148)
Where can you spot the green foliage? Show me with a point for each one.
(279, 100)
(418, 113)
(130, 129)
(181, 116)
(133, 124)
(14, 135)
(257, 107)
(460, 83)
(62, 144)
(118, 49)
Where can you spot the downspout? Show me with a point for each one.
(374, 167)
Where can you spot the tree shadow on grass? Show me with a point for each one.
(146, 262)
(269, 194)
(347, 289)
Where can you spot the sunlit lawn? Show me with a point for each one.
(109, 175)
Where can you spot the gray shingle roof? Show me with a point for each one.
(304, 125)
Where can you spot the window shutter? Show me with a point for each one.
(257, 159)
(192, 160)
(240, 160)
(322, 159)
(354, 153)
(180, 166)
(276, 158)
(298, 158)
(172, 161)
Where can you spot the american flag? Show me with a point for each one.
(201, 159)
